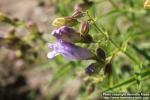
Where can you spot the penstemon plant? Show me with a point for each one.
(104, 43)
(69, 40)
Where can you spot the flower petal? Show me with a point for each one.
(73, 52)
(67, 34)
(52, 54)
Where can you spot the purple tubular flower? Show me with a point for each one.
(67, 34)
(69, 51)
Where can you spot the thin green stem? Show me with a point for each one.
(111, 41)
(144, 75)
(125, 52)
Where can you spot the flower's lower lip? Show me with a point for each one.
(70, 51)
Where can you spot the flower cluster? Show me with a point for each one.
(67, 37)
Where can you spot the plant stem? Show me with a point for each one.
(111, 41)
(131, 80)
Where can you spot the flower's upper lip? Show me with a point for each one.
(67, 34)
(55, 32)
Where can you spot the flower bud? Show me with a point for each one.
(147, 4)
(77, 14)
(84, 28)
(101, 54)
(68, 21)
(108, 69)
(92, 68)
(83, 6)
(87, 38)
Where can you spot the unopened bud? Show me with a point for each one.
(77, 14)
(108, 69)
(101, 54)
(83, 6)
(68, 21)
(92, 68)
(84, 28)
(87, 38)
(147, 4)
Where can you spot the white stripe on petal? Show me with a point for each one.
(52, 54)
